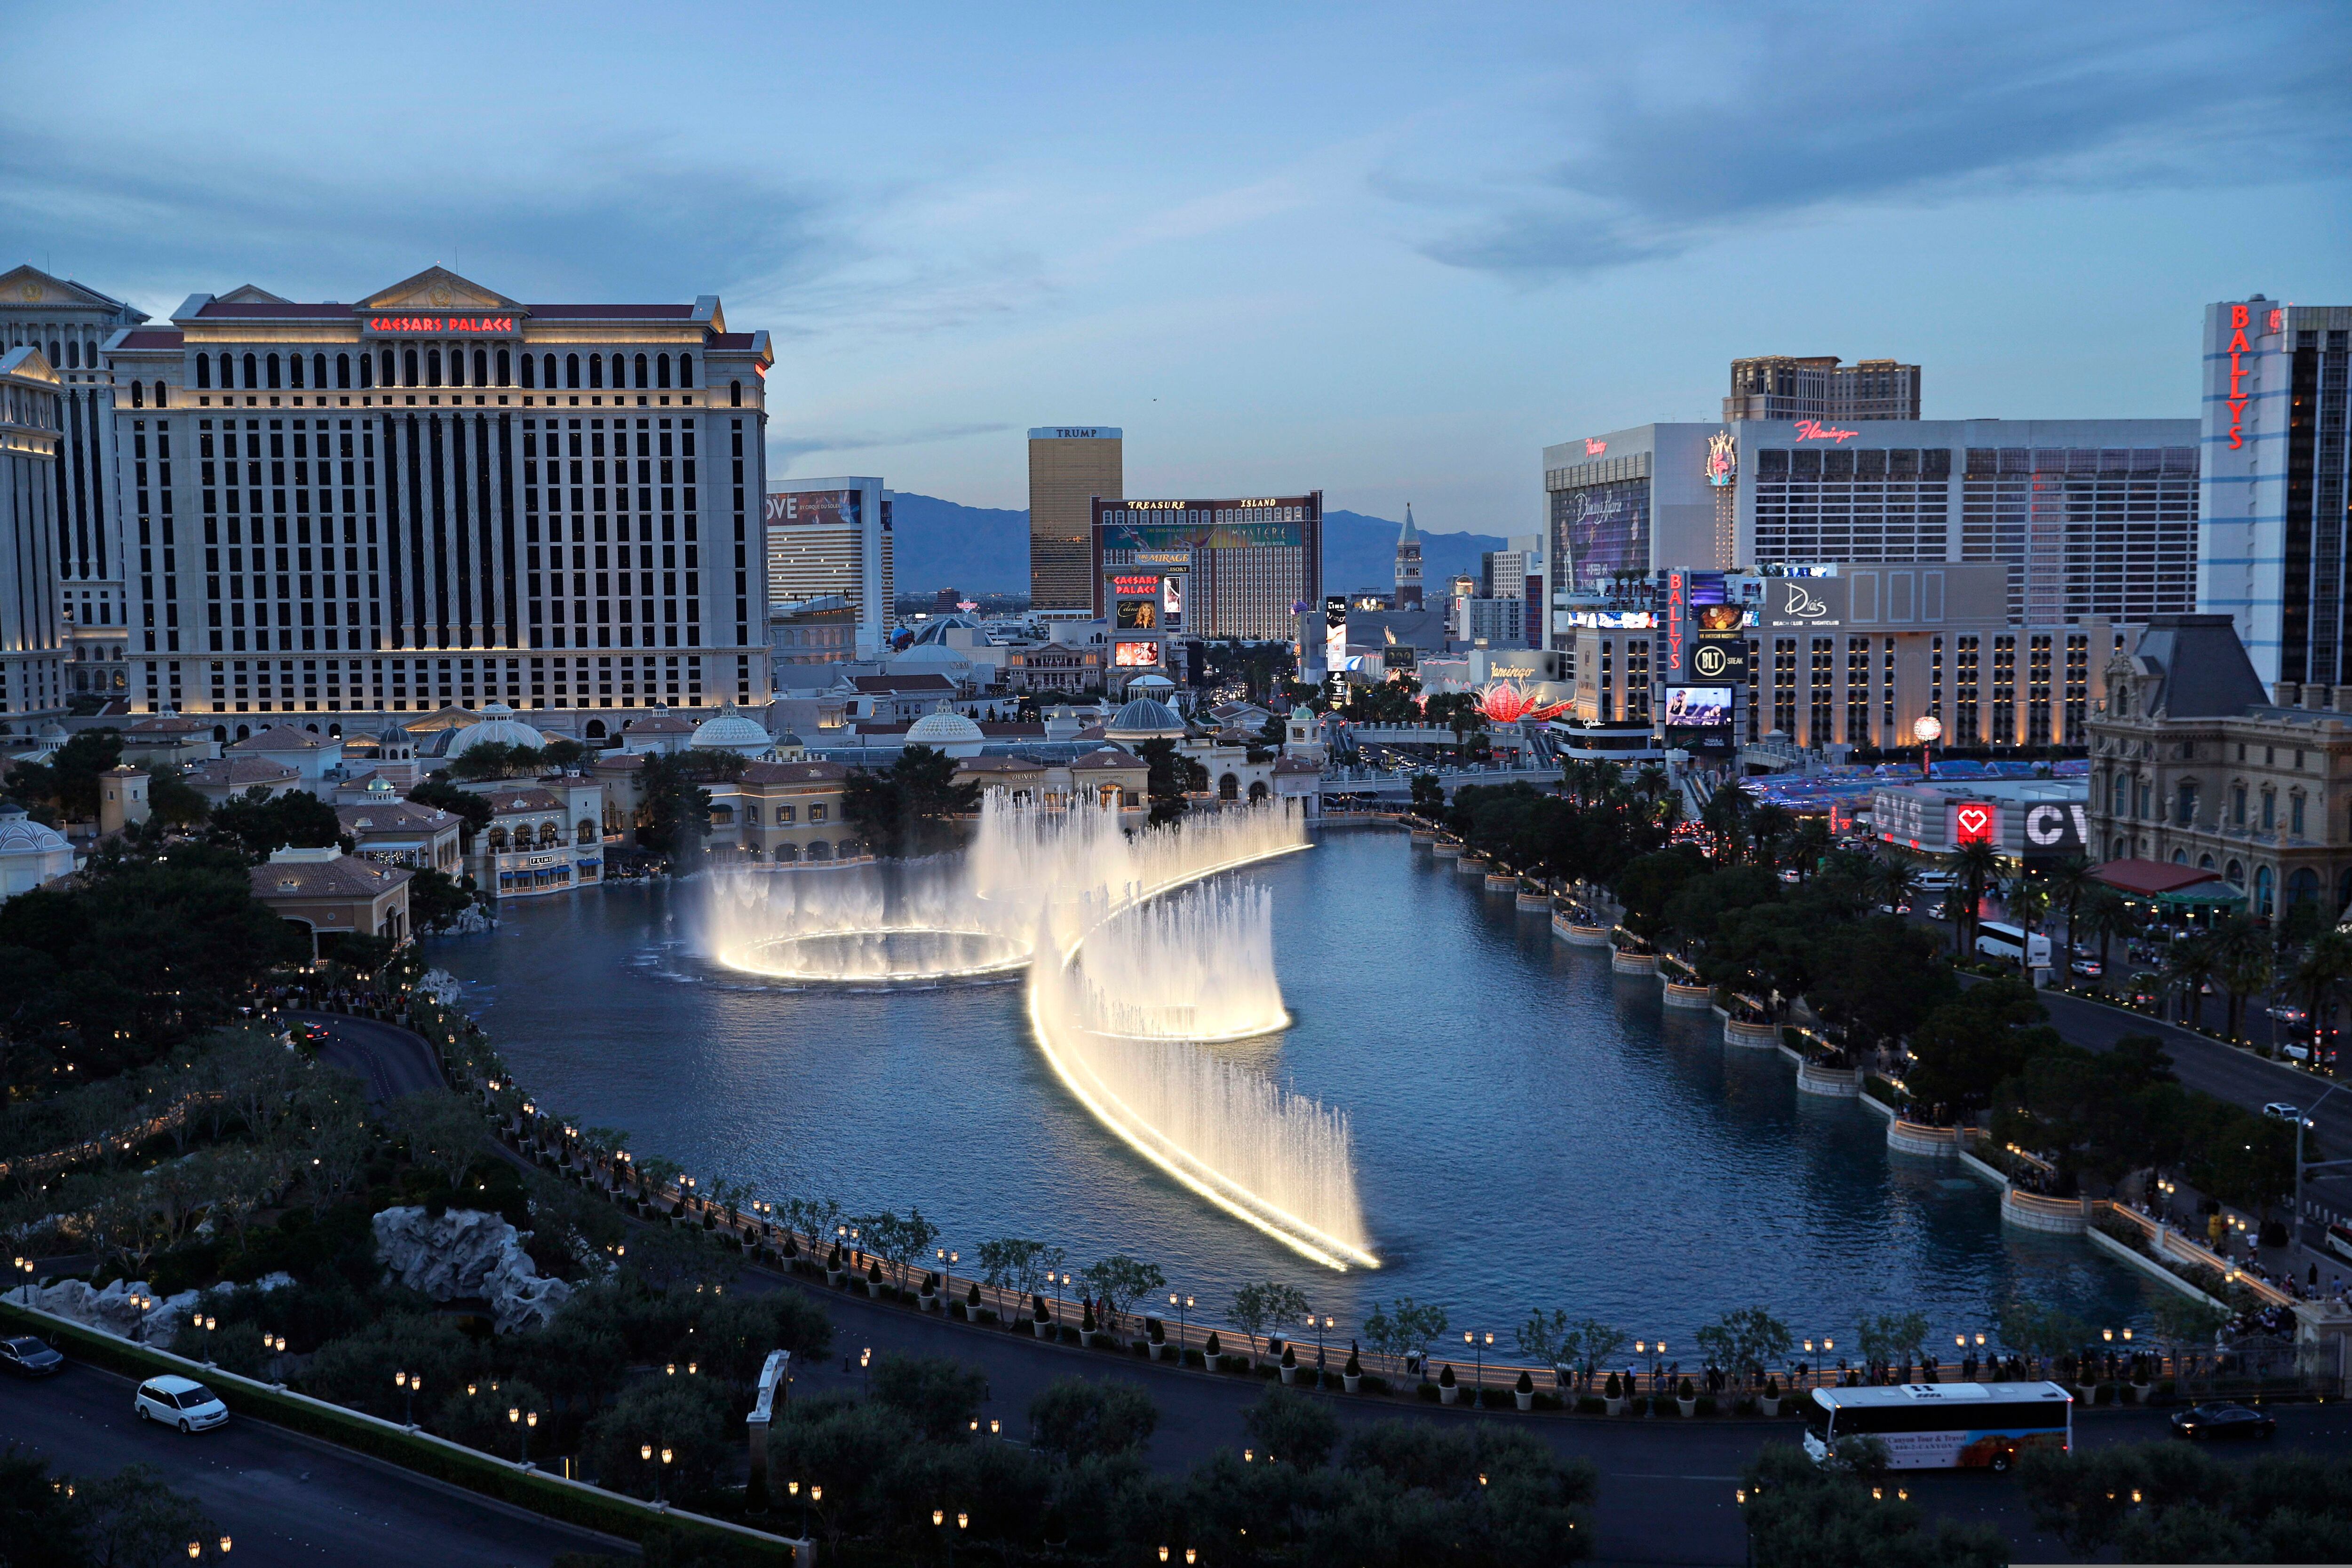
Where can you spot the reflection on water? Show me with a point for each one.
(1529, 1129)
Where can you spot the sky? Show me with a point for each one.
(1387, 252)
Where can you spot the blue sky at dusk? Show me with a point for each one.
(1388, 252)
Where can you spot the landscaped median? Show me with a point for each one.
(553, 1497)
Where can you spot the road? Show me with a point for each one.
(283, 1499)
(390, 1060)
(1665, 1488)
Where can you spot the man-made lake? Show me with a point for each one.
(1531, 1130)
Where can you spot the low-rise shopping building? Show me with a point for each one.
(546, 836)
(398, 832)
(333, 895)
(229, 778)
(784, 812)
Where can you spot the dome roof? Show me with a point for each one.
(1144, 719)
(20, 834)
(498, 727)
(730, 731)
(942, 729)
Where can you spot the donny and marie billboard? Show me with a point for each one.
(1605, 529)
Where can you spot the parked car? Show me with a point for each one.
(2219, 1422)
(179, 1401)
(29, 1357)
(2279, 1111)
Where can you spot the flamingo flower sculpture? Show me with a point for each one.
(1505, 703)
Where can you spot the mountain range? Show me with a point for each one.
(985, 549)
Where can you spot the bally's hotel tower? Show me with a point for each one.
(438, 495)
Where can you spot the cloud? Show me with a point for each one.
(789, 448)
(1846, 108)
(618, 223)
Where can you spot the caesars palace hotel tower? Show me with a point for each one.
(438, 495)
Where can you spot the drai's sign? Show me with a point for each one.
(1804, 601)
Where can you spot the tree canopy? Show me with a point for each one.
(908, 808)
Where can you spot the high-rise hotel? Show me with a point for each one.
(68, 323)
(2277, 439)
(438, 495)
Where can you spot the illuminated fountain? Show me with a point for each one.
(1113, 1025)
(1129, 999)
(972, 916)
(1198, 966)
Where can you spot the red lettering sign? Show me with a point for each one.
(441, 326)
(1975, 821)
(1593, 448)
(2241, 317)
(1675, 601)
(1814, 431)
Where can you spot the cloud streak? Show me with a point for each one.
(789, 448)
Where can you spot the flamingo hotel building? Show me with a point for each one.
(437, 496)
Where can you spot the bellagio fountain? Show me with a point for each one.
(1148, 977)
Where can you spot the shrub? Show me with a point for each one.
(1591, 1404)
(1614, 1389)
(1073, 1417)
(1526, 1385)
(1446, 1379)
(1215, 1351)
(1354, 1367)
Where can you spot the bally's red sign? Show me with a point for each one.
(1976, 822)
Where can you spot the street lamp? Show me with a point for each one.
(408, 1386)
(1928, 730)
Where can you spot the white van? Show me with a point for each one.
(2011, 944)
(179, 1401)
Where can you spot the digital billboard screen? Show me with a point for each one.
(1137, 615)
(1135, 654)
(1605, 529)
(801, 508)
(1335, 631)
(1698, 707)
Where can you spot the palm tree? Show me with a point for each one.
(2322, 973)
(2027, 904)
(1977, 864)
(2107, 912)
(2245, 964)
(2069, 883)
(2189, 967)
(1893, 883)
(1725, 817)
(1767, 826)
(1809, 844)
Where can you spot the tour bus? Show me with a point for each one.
(1933, 1425)
(1995, 940)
